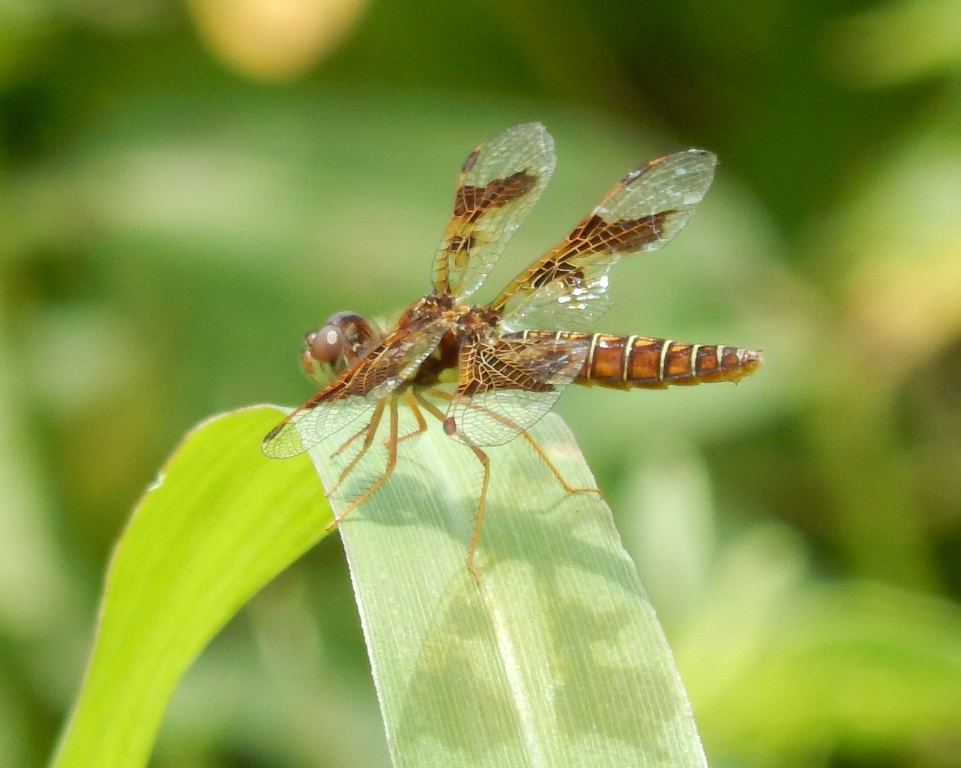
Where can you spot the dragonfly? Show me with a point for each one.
(510, 359)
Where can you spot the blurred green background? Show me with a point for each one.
(185, 188)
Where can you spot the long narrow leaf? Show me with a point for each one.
(219, 523)
(554, 658)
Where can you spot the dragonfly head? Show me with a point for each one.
(336, 344)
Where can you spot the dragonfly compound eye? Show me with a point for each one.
(326, 345)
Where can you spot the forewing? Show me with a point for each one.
(506, 386)
(567, 287)
(355, 391)
(498, 185)
(314, 421)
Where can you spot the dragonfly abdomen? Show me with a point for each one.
(628, 362)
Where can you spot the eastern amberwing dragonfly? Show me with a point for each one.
(511, 358)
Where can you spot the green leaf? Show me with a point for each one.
(554, 658)
(220, 522)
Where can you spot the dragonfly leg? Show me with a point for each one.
(388, 468)
(475, 536)
(527, 435)
(439, 393)
(369, 431)
(557, 473)
(485, 462)
(363, 431)
(421, 423)
(428, 406)
(482, 457)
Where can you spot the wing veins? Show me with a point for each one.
(566, 287)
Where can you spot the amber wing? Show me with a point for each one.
(355, 391)
(506, 385)
(498, 185)
(567, 287)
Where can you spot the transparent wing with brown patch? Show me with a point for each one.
(498, 185)
(507, 385)
(567, 287)
(355, 391)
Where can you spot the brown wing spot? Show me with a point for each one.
(471, 203)
(595, 235)
(557, 270)
(461, 244)
(585, 229)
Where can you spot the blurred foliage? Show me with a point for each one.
(185, 189)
